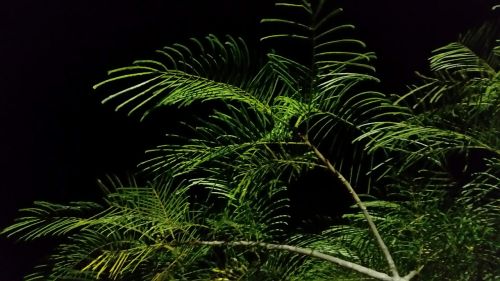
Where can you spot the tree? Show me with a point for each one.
(214, 205)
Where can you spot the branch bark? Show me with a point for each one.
(307, 252)
(368, 217)
(316, 254)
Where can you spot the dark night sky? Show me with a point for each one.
(55, 137)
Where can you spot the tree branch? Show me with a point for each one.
(307, 252)
(368, 217)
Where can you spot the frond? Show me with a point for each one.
(50, 219)
(332, 65)
(136, 228)
(472, 56)
(199, 71)
(462, 73)
(456, 58)
(418, 141)
(164, 88)
(481, 194)
(496, 49)
(454, 110)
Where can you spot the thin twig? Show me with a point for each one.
(412, 274)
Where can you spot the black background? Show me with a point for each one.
(56, 138)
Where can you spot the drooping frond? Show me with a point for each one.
(455, 109)
(419, 141)
(470, 63)
(202, 70)
(458, 58)
(49, 219)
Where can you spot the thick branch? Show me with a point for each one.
(368, 217)
(307, 252)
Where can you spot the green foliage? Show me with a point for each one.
(223, 180)
(456, 108)
(445, 176)
(452, 240)
(146, 232)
